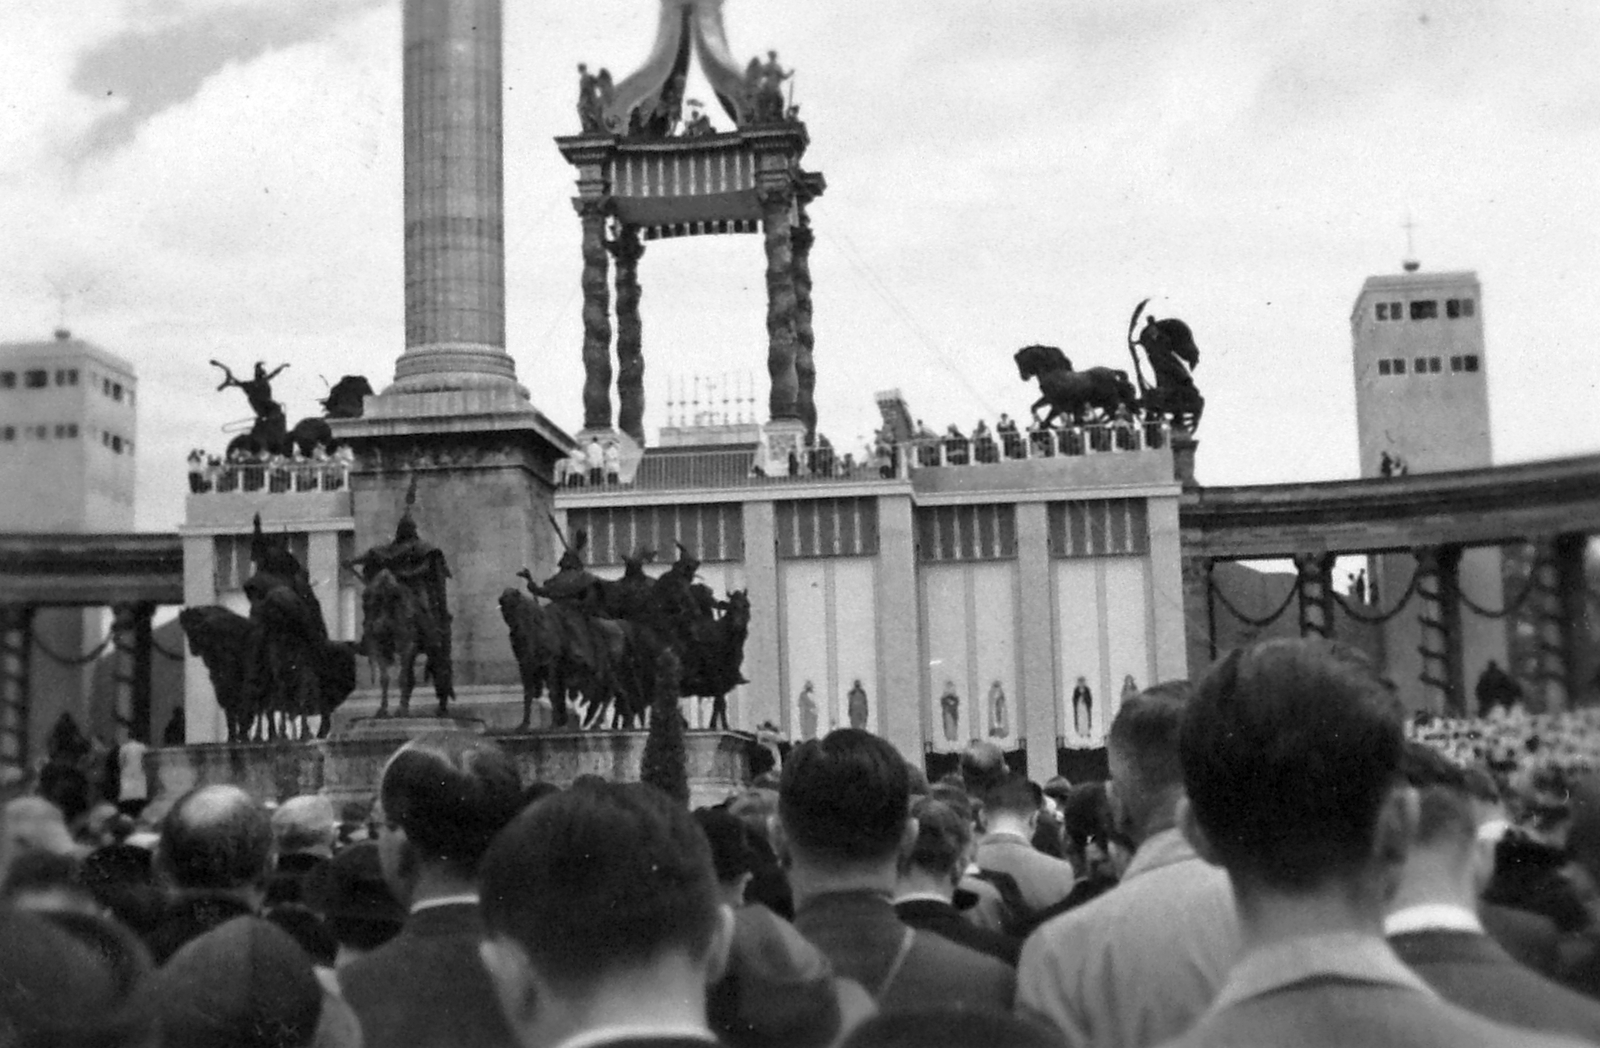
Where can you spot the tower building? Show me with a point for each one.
(1422, 391)
(1422, 406)
(68, 423)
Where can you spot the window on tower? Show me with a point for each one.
(1435, 365)
(72, 376)
(36, 379)
(1384, 367)
(1400, 366)
(1425, 309)
(8, 433)
(1457, 308)
(1455, 363)
(1470, 362)
(116, 391)
(8, 380)
(1383, 311)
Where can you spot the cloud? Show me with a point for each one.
(144, 71)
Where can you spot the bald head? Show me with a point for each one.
(215, 838)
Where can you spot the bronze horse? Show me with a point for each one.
(397, 630)
(1073, 393)
(271, 434)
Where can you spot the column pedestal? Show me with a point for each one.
(485, 483)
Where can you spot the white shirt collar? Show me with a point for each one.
(607, 1034)
(464, 899)
(1430, 917)
(921, 897)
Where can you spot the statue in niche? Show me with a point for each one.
(950, 712)
(856, 706)
(697, 124)
(1082, 704)
(763, 89)
(1130, 687)
(591, 114)
(807, 702)
(999, 715)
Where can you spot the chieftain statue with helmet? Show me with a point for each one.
(406, 607)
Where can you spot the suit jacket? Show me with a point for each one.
(190, 916)
(860, 934)
(1044, 881)
(942, 918)
(1471, 970)
(1529, 938)
(426, 987)
(1336, 991)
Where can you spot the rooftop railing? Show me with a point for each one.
(270, 478)
(754, 467)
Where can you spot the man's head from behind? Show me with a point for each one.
(1290, 751)
(444, 798)
(1142, 752)
(305, 824)
(939, 856)
(844, 801)
(596, 892)
(215, 838)
(1448, 862)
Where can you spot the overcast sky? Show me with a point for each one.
(221, 178)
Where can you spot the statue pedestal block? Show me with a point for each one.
(483, 461)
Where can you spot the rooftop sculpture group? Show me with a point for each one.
(1106, 393)
(270, 433)
(650, 103)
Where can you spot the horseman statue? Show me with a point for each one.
(577, 596)
(1169, 346)
(414, 617)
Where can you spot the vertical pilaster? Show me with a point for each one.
(16, 684)
(1039, 702)
(801, 238)
(899, 640)
(1576, 634)
(203, 720)
(596, 315)
(763, 646)
(1169, 620)
(627, 248)
(777, 207)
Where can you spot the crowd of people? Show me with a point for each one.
(1271, 861)
(244, 470)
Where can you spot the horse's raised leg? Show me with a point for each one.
(408, 681)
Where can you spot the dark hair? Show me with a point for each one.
(40, 870)
(731, 852)
(215, 837)
(1444, 799)
(535, 792)
(1289, 749)
(942, 837)
(309, 931)
(451, 792)
(602, 877)
(845, 796)
(1014, 795)
(1146, 731)
(983, 767)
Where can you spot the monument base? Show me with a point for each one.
(349, 768)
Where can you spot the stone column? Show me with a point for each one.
(801, 238)
(777, 204)
(628, 249)
(596, 315)
(454, 196)
(1316, 606)
(1439, 588)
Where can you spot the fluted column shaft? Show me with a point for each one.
(454, 197)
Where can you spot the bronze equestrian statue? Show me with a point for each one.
(416, 616)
